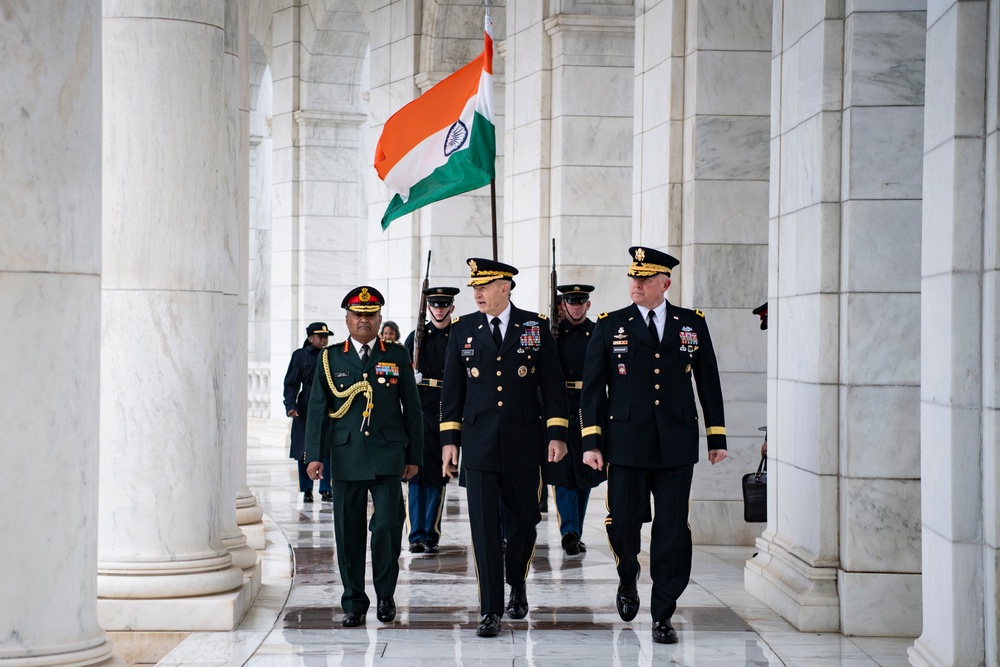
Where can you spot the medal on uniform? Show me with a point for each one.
(522, 371)
(474, 372)
(687, 369)
(381, 380)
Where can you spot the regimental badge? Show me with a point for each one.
(474, 372)
(687, 369)
(522, 371)
(365, 296)
(621, 330)
(684, 348)
(621, 369)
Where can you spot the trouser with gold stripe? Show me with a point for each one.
(518, 492)
(670, 548)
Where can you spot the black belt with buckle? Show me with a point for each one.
(431, 382)
(575, 385)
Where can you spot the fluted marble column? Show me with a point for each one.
(162, 563)
(50, 294)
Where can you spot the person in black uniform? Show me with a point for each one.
(426, 490)
(571, 477)
(639, 417)
(503, 399)
(298, 382)
(364, 413)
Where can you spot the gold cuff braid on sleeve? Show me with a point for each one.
(715, 430)
(451, 426)
(557, 421)
(590, 430)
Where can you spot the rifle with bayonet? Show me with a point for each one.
(418, 334)
(553, 303)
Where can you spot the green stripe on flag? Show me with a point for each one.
(465, 170)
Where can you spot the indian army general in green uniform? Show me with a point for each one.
(365, 415)
(639, 416)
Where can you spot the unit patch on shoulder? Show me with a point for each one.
(699, 313)
(602, 316)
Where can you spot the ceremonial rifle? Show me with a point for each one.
(553, 305)
(418, 334)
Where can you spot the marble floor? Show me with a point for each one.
(295, 619)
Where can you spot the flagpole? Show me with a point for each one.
(493, 207)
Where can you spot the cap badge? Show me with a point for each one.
(576, 288)
(640, 254)
(472, 265)
(364, 296)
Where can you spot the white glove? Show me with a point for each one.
(418, 376)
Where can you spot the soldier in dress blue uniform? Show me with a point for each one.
(364, 413)
(298, 383)
(639, 418)
(571, 477)
(426, 490)
(504, 403)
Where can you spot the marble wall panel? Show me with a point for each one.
(730, 83)
(591, 190)
(574, 240)
(662, 32)
(810, 162)
(951, 486)
(528, 193)
(660, 94)
(804, 431)
(811, 76)
(740, 345)
(805, 523)
(404, 56)
(209, 13)
(378, 21)
(522, 15)
(588, 41)
(379, 67)
(879, 605)
(722, 481)
(342, 199)
(884, 58)
(801, 16)
(880, 525)
(956, 39)
(655, 165)
(852, 6)
(885, 148)
(576, 86)
(726, 212)
(808, 248)
(329, 267)
(589, 140)
(404, 18)
(330, 163)
(947, 246)
(951, 338)
(466, 216)
(728, 147)
(532, 143)
(743, 25)
(532, 94)
(881, 339)
(330, 233)
(530, 47)
(721, 522)
(867, 227)
(881, 429)
(737, 276)
(813, 323)
(991, 339)
(655, 216)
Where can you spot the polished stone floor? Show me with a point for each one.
(296, 618)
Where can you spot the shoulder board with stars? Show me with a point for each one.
(456, 319)
(543, 316)
(699, 313)
(602, 316)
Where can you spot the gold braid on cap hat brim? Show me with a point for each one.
(486, 277)
(363, 387)
(358, 308)
(646, 269)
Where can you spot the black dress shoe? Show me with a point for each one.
(571, 544)
(307, 497)
(353, 619)
(431, 548)
(627, 600)
(664, 633)
(417, 548)
(327, 496)
(386, 609)
(489, 626)
(517, 605)
(582, 546)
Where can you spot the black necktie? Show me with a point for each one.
(497, 338)
(364, 355)
(652, 327)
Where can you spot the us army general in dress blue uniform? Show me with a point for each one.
(571, 477)
(364, 413)
(639, 417)
(426, 490)
(504, 404)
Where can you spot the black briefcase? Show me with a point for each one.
(755, 494)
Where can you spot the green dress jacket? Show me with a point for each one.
(364, 447)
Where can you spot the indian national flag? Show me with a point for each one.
(444, 142)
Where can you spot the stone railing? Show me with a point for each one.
(258, 390)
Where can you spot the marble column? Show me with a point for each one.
(50, 286)
(959, 315)
(162, 563)
(844, 341)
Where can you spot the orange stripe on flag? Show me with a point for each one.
(436, 109)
